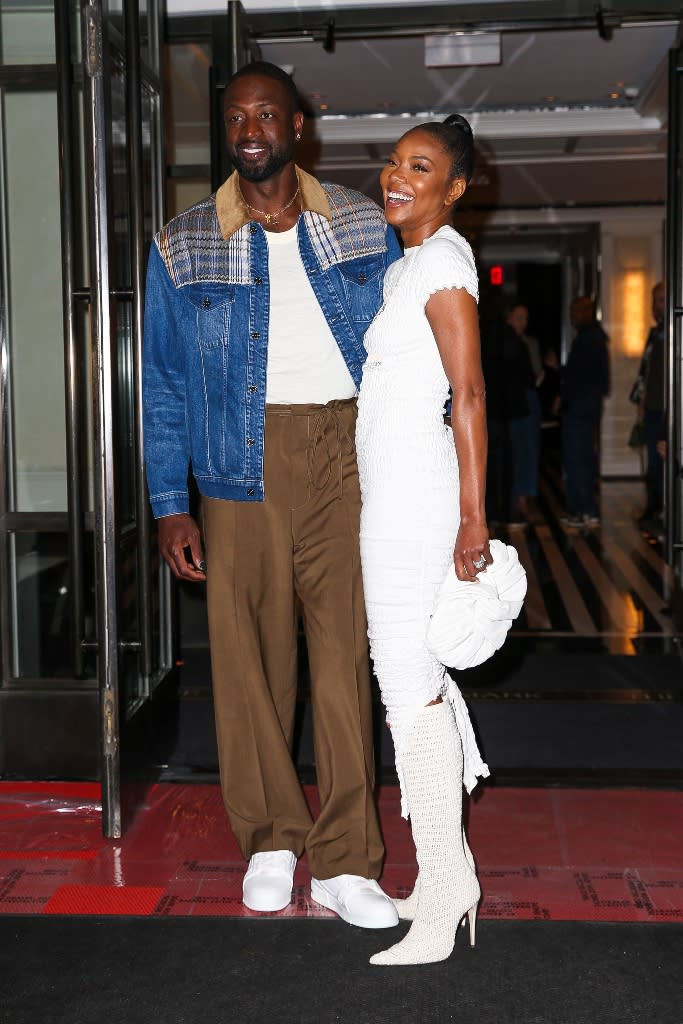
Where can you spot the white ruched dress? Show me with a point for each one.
(409, 478)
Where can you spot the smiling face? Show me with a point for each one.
(418, 189)
(260, 126)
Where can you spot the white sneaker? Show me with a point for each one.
(267, 884)
(356, 900)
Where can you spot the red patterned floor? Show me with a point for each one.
(552, 854)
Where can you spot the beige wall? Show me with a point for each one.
(632, 262)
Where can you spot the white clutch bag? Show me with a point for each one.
(470, 621)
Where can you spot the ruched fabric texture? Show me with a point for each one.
(409, 479)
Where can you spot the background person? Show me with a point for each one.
(522, 369)
(652, 408)
(584, 384)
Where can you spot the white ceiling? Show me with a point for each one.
(567, 119)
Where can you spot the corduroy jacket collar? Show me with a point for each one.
(233, 212)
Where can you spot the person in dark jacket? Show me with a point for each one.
(585, 382)
(523, 413)
(652, 406)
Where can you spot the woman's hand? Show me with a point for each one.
(471, 551)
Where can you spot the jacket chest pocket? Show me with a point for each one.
(213, 305)
(362, 282)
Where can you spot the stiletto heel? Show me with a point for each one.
(472, 919)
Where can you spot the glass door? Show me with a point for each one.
(122, 131)
(85, 610)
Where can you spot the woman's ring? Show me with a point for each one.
(480, 563)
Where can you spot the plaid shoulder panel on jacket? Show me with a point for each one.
(357, 229)
(193, 249)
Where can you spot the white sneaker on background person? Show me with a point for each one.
(267, 884)
(356, 900)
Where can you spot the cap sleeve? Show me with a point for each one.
(445, 262)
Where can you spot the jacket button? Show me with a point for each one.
(207, 303)
(362, 277)
(253, 229)
(255, 334)
(250, 442)
(253, 389)
(250, 492)
(258, 280)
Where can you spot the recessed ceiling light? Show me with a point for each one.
(324, 106)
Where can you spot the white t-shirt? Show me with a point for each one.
(304, 361)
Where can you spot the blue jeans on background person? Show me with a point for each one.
(579, 423)
(525, 438)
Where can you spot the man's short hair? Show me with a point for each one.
(265, 69)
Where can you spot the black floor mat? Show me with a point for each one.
(218, 971)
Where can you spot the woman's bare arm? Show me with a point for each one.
(452, 315)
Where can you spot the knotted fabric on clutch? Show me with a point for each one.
(471, 620)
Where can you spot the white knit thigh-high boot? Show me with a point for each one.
(407, 907)
(448, 887)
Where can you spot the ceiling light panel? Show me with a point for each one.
(462, 49)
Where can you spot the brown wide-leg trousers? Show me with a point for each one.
(302, 540)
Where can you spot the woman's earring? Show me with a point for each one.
(298, 136)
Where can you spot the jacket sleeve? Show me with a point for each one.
(164, 419)
(394, 250)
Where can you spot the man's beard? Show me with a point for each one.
(275, 161)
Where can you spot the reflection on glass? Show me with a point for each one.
(34, 306)
(150, 163)
(186, 105)
(42, 606)
(120, 191)
(27, 33)
(130, 680)
(145, 35)
(125, 425)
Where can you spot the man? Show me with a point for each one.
(522, 371)
(652, 406)
(585, 382)
(257, 301)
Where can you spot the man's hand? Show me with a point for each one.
(177, 534)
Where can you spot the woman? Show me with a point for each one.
(423, 506)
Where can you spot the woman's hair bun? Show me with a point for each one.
(458, 121)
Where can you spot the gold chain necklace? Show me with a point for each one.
(270, 218)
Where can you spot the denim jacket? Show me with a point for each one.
(206, 330)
